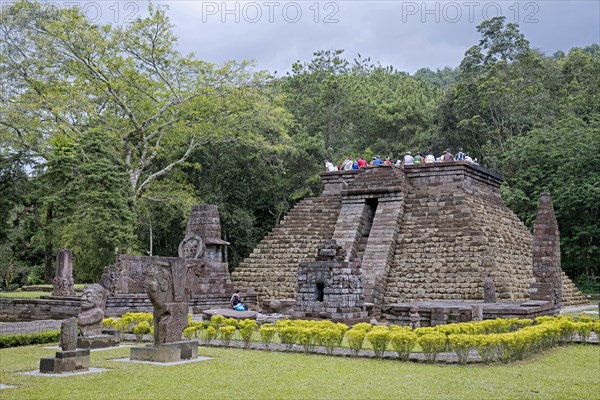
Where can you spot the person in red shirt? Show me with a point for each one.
(362, 163)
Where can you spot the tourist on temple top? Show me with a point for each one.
(430, 158)
(377, 160)
(447, 156)
(347, 164)
(387, 161)
(237, 303)
(408, 159)
(418, 159)
(362, 163)
(460, 156)
(468, 158)
(355, 165)
(329, 167)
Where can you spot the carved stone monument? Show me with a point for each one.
(91, 314)
(213, 279)
(70, 359)
(330, 287)
(202, 246)
(169, 286)
(63, 283)
(546, 255)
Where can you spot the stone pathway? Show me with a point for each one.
(589, 309)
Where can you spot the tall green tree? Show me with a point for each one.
(72, 80)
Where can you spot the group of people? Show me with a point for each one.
(408, 159)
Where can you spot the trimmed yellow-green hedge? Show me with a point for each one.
(503, 340)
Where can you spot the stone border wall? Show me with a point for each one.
(15, 310)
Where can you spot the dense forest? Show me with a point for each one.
(108, 135)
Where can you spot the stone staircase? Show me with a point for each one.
(272, 268)
(571, 295)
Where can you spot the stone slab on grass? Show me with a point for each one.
(229, 313)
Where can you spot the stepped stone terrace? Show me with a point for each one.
(418, 234)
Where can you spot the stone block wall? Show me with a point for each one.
(213, 280)
(272, 268)
(449, 241)
(508, 243)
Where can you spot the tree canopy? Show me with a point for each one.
(108, 135)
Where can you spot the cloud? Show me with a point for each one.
(407, 35)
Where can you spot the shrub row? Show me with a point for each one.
(503, 340)
(27, 339)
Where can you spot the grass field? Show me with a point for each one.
(569, 372)
(24, 295)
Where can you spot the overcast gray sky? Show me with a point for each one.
(405, 34)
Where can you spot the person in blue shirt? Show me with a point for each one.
(377, 161)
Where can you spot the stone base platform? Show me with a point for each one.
(444, 312)
(66, 361)
(99, 342)
(229, 313)
(165, 353)
(348, 318)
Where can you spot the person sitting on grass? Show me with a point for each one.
(237, 303)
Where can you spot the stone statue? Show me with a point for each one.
(414, 317)
(168, 287)
(93, 303)
(489, 290)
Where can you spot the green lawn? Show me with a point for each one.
(24, 295)
(569, 372)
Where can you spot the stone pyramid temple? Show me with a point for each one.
(423, 233)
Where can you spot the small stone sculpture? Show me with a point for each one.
(68, 334)
(414, 317)
(477, 313)
(489, 290)
(93, 303)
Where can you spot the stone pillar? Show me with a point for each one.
(205, 226)
(205, 221)
(546, 251)
(63, 284)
